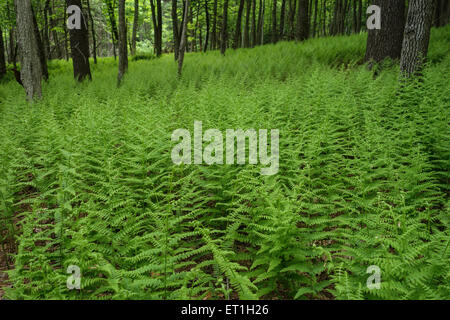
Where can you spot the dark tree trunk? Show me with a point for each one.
(123, 53)
(324, 31)
(274, 22)
(387, 42)
(214, 27)
(176, 35)
(359, 17)
(254, 33)
(31, 72)
(282, 18)
(315, 18)
(2, 55)
(135, 27)
(247, 24)
(260, 23)
(224, 36)
(237, 32)
(183, 38)
(157, 25)
(205, 47)
(41, 49)
(79, 44)
(112, 20)
(417, 36)
(46, 32)
(292, 9)
(302, 20)
(94, 39)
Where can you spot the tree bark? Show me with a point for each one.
(315, 18)
(157, 25)
(135, 27)
(94, 39)
(302, 20)
(417, 36)
(214, 27)
(247, 24)
(254, 33)
(79, 45)
(175, 30)
(282, 19)
(31, 72)
(237, 31)
(2, 55)
(224, 36)
(387, 42)
(205, 47)
(274, 22)
(41, 49)
(183, 39)
(123, 53)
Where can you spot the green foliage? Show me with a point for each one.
(86, 179)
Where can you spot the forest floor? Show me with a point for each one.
(87, 179)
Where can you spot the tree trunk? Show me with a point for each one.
(387, 42)
(214, 27)
(135, 27)
(247, 24)
(254, 33)
(175, 30)
(183, 38)
(223, 44)
(41, 49)
(315, 19)
(302, 20)
(31, 72)
(123, 53)
(274, 22)
(79, 45)
(112, 20)
(2, 55)
(157, 25)
(207, 27)
(282, 18)
(94, 39)
(237, 32)
(46, 29)
(292, 9)
(417, 36)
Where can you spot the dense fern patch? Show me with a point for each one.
(86, 179)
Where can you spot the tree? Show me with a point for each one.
(274, 22)
(31, 72)
(79, 46)
(416, 37)
(387, 41)
(237, 31)
(183, 38)
(214, 27)
(123, 53)
(135, 27)
(246, 39)
(223, 44)
(175, 30)
(94, 39)
(157, 25)
(41, 49)
(302, 20)
(2, 55)
(207, 26)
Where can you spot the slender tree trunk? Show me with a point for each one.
(157, 25)
(324, 31)
(292, 9)
(94, 39)
(315, 18)
(224, 36)
(207, 27)
(135, 27)
(237, 32)
(2, 55)
(175, 30)
(123, 53)
(183, 38)
(31, 72)
(248, 4)
(359, 17)
(254, 33)
(214, 27)
(260, 23)
(46, 29)
(112, 20)
(282, 18)
(79, 44)
(417, 36)
(274, 22)
(302, 20)
(41, 49)
(387, 42)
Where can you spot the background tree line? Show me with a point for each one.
(145, 28)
